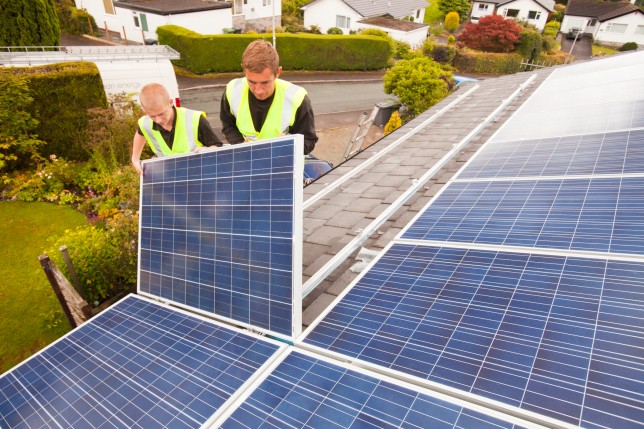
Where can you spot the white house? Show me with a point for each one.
(348, 15)
(137, 20)
(610, 23)
(413, 33)
(533, 12)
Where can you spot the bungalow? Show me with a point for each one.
(354, 15)
(137, 20)
(610, 23)
(533, 12)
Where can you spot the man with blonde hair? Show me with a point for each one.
(261, 106)
(169, 130)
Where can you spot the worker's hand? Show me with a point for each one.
(138, 167)
(201, 149)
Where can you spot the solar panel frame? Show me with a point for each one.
(304, 389)
(351, 328)
(137, 364)
(218, 257)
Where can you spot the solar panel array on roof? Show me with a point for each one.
(219, 233)
(138, 364)
(521, 281)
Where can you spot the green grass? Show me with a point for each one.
(27, 302)
(603, 50)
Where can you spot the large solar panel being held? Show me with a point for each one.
(138, 364)
(219, 233)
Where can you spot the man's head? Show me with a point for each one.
(157, 104)
(260, 62)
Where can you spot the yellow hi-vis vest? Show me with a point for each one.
(281, 115)
(186, 133)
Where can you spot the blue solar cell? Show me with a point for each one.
(217, 232)
(304, 391)
(532, 331)
(601, 214)
(607, 153)
(136, 365)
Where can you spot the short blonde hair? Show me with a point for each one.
(153, 95)
(260, 55)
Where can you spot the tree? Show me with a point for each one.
(462, 7)
(29, 23)
(493, 33)
(419, 83)
(451, 21)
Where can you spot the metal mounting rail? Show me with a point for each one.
(334, 262)
(35, 55)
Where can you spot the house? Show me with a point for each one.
(610, 23)
(533, 12)
(137, 20)
(354, 15)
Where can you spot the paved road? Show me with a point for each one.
(582, 49)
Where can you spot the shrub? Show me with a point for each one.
(530, 43)
(551, 28)
(486, 62)
(548, 44)
(334, 30)
(444, 54)
(402, 50)
(451, 21)
(427, 47)
(451, 40)
(418, 83)
(393, 123)
(462, 7)
(628, 46)
(493, 33)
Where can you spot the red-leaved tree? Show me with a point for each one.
(493, 33)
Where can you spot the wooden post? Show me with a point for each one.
(124, 35)
(143, 37)
(91, 29)
(72, 271)
(107, 32)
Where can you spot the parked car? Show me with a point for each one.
(573, 33)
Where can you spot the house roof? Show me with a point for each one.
(171, 7)
(601, 10)
(549, 5)
(375, 8)
(393, 24)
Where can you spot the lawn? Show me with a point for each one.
(31, 314)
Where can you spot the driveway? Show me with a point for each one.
(582, 47)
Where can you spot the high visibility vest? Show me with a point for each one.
(186, 133)
(281, 115)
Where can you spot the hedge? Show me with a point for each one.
(62, 95)
(222, 52)
(467, 61)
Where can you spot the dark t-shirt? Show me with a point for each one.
(304, 120)
(206, 135)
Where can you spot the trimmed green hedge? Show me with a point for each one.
(62, 95)
(222, 53)
(487, 62)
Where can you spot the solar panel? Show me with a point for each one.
(138, 364)
(219, 233)
(600, 214)
(554, 335)
(607, 153)
(308, 391)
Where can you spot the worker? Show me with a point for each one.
(169, 130)
(261, 101)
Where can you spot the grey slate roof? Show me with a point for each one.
(344, 207)
(546, 4)
(395, 8)
(171, 7)
(393, 24)
(602, 10)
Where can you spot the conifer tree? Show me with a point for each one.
(29, 23)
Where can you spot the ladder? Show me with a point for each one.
(35, 55)
(362, 129)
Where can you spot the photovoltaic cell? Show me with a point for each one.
(135, 365)
(217, 232)
(559, 336)
(610, 153)
(602, 214)
(305, 391)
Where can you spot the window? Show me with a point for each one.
(616, 28)
(639, 29)
(109, 7)
(342, 21)
(266, 2)
(483, 6)
(592, 23)
(534, 14)
(511, 13)
(136, 21)
(418, 14)
(140, 21)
